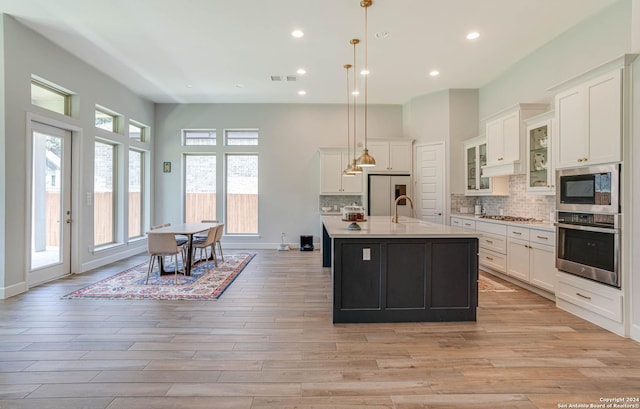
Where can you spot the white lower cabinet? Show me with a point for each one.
(595, 302)
(493, 246)
(531, 256)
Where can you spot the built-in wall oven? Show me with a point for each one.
(588, 223)
(589, 246)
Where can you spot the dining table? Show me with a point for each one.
(188, 230)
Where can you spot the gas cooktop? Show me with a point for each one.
(512, 219)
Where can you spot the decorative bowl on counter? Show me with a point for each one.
(326, 209)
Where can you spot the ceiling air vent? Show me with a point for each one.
(276, 78)
(291, 78)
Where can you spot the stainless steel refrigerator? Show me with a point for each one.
(383, 191)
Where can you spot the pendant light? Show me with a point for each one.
(347, 171)
(366, 160)
(355, 169)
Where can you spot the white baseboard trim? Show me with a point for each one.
(111, 258)
(615, 327)
(635, 332)
(263, 246)
(15, 289)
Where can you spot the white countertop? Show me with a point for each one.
(542, 225)
(383, 227)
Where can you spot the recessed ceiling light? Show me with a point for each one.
(189, 86)
(297, 33)
(473, 35)
(301, 71)
(239, 86)
(356, 92)
(364, 72)
(382, 34)
(434, 73)
(302, 92)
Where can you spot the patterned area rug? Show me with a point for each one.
(487, 285)
(202, 284)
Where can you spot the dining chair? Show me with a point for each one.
(207, 242)
(203, 235)
(161, 245)
(217, 240)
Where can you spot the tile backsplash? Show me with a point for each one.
(339, 201)
(518, 203)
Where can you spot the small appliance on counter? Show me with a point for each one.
(477, 210)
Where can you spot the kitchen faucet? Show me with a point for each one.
(395, 217)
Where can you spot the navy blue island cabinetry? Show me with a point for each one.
(400, 272)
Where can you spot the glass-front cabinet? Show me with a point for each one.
(476, 157)
(540, 170)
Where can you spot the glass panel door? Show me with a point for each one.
(485, 183)
(50, 203)
(538, 157)
(471, 168)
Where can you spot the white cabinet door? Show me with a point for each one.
(511, 137)
(332, 163)
(543, 266)
(380, 152)
(571, 140)
(494, 142)
(589, 122)
(400, 156)
(604, 103)
(518, 259)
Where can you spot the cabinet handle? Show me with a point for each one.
(517, 232)
(467, 224)
(488, 258)
(586, 297)
(500, 158)
(489, 241)
(542, 237)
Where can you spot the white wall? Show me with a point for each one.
(3, 160)
(587, 45)
(27, 53)
(289, 166)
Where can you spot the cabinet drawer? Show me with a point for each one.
(468, 224)
(515, 232)
(542, 237)
(591, 296)
(493, 228)
(493, 242)
(493, 260)
(455, 222)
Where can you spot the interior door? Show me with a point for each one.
(50, 205)
(430, 182)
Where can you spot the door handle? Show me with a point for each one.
(438, 214)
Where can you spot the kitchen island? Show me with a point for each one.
(399, 272)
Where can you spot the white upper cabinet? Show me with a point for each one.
(332, 163)
(476, 184)
(391, 156)
(540, 164)
(506, 140)
(589, 122)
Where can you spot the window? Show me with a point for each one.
(137, 132)
(200, 188)
(106, 121)
(241, 137)
(242, 194)
(199, 137)
(136, 178)
(51, 98)
(104, 194)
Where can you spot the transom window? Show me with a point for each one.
(48, 97)
(199, 137)
(106, 120)
(241, 137)
(136, 132)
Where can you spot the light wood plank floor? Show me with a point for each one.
(269, 343)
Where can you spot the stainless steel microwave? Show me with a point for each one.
(590, 189)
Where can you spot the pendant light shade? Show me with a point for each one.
(366, 160)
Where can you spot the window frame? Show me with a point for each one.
(116, 147)
(143, 195)
(213, 131)
(240, 131)
(117, 119)
(228, 154)
(53, 89)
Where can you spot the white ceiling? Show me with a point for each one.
(226, 50)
